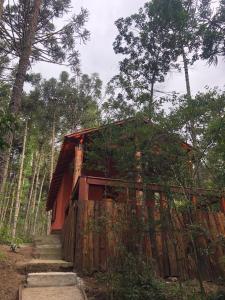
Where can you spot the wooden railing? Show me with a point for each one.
(95, 229)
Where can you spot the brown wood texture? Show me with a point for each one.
(94, 231)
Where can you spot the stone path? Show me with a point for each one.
(52, 285)
(52, 293)
(45, 279)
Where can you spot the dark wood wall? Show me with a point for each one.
(94, 230)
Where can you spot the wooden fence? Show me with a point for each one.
(177, 243)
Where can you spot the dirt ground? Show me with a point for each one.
(10, 279)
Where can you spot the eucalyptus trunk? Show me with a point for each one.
(196, 176)
(8, 195)
(23, 65)
(38, 204)
(12, 206)
(4, 176)
(18, 193)
(49, 214)
(33, 201)
(1, 8)
(30, 196)
(186, 73)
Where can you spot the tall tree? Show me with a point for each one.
(18, 193)
(148, 54)
(1, 8)
(28, 32)
(181, 19)
(212, 30)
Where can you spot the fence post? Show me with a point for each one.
(83, 189)
(222, 204)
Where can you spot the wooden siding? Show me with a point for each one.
(94, 230)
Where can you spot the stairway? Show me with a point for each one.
(48, 247)
(48, 276)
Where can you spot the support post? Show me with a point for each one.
(78, 161)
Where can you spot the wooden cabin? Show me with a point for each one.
(74, 163)
(90, 184)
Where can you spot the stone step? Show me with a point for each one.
(41, 265)
(47, 240)
(48, 279)
(52, 293)
(48, 249)
(49, 256)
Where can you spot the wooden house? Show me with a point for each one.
(87, 189)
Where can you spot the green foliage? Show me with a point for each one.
(220, 295)
(6, 237)
(148, 54)
(3, 257)
(212, 31)
(51, 43)
(130, 278)
(6, 119)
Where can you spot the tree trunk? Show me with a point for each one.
(38, 204)
(17, 201)
(186, 73)
(12, 206)
(30, 197)
(8, 196)
(4, 176)
(36, 186)
(49, 213)
(1, 8)
(24, 61)
(188, 89)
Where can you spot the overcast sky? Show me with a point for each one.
(98, 55)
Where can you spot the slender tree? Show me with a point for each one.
(38, 203)
(27, 32)
(146, 46)
(18, 193)
(1, 8)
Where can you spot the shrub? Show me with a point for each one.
(220, 295)
(130, 278)
(2, 257)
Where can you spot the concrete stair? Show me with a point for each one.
(51, 279)
(44, 265)
(48, 247)
(52, 286)
(49, 239)
(48, 276)
(52, 293)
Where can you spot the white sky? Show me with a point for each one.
(98, 55)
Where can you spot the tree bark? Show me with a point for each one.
(24, 61)
(36, 186)
(30, 198)
(38, 204)
(12, 206)
(5, 173)
(8, 195)
(49, 213)
(186, 73)
(188, 89)
(1, 8)
(17, 201)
